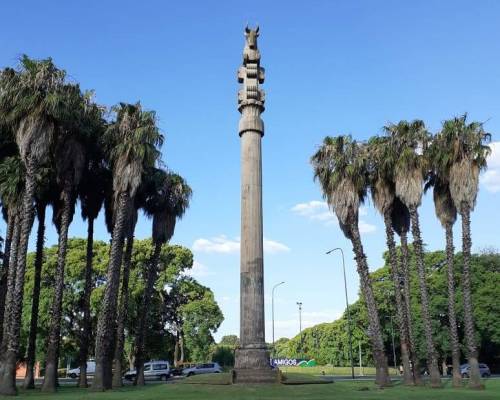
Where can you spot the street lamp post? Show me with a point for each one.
(349, 332)
(299, 303)
(272, 310)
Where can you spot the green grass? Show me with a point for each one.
(337, 391)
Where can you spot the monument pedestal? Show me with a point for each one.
(252, 366)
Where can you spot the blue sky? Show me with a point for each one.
(331, 67)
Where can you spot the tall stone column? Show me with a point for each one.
(252, 358)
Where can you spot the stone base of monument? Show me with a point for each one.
(258, 376)
(252, 366)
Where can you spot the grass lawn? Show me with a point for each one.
(338, 391)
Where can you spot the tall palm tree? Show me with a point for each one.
(464, 154)
(69, 165)
(408, 142)
(400, 217)
(132, 142)
(43, 197)
(168, 202)
(446, 212)
(11, 193)
(340, 166)
(124, 295)
(95, 182)
(29, 101)
(7, 149)
(381, 167)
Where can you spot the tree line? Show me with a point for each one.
(184, 313)
(328, 343)
(396, 168)
(59, 147)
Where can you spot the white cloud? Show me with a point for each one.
(199, 270)
(318, 211)
(273, 247)
(310, 208)
(365, 227)
(218, 244)
(224, 245)
(491, 178)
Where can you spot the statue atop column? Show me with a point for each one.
(252, 364)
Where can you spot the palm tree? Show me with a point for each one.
(131, 143)
(95, 182)
(168, 202)
(43, 197)
(340, 166)
(9, 179)
(69, 165)
(124, 295)
(408, 143)
(29, 102)
(400, 217)
(383, 195)
(11, 193)
(464, 156)
(7, 149)
(446, 212)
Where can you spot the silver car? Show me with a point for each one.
(207, 368)
(153, 370)
(484, 370)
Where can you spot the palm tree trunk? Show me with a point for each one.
(8, 383)
(470, 342)
(52, 358)
(5, 268)
(11, 283)
(106, 321)
(455, 345)
(122, 314)
(144, 315)
(87, 292)
(29, 379)
(405, 272)
(403, 329)
(374, 330)
(432, 362)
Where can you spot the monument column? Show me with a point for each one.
(252, 358)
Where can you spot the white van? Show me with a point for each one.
(75, 372)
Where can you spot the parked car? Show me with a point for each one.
(207, 368)
(75, 372)
(153, 370)
(179, 370)
(484, 370)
